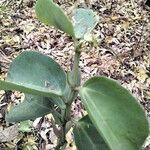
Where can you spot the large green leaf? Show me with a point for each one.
(31, 108)
(34, 73)
(85, 21)
(36, 90)
(87, 137)
(115, 112)
(51, 14)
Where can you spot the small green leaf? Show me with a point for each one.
(87, 137)
(85, 21)
(52, 15)
(115, 113)
(34, 73)
(31, 108)
(25, 126)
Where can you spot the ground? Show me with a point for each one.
(120, 50)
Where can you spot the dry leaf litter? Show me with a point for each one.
(120, 49)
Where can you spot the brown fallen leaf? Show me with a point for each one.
(9, 134)
(141, 74)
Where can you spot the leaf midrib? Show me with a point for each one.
(86, 91)
(19, 87)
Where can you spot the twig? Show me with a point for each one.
(4, 56)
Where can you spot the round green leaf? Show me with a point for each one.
(31, 108)
(87, 136)
(52, 15)
(115, 112)
(84, 21)
(37, 74)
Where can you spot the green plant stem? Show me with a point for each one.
(62, 139)
(75, 79)
(75, 69)
(75, 82)
(75, 73)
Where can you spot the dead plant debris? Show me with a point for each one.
(121, 50)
